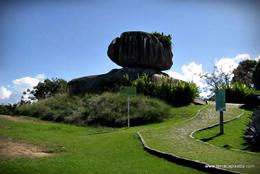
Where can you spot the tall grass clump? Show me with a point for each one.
(174, 92)
(241, 93)
(107, 109)
(237, 93)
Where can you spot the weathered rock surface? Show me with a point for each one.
(140, 49)
(97, 82)
(199, 101)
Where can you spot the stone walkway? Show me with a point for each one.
(176, 140)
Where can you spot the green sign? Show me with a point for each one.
(220, 100)
(128, 90)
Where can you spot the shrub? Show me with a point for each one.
(7, 109)
(252, 100)
(237, 93)
(252, 134)
(241, 93)
(174, 92)
(107, 109)
(54, 108)
(256, 76)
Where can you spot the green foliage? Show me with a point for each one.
(174, 92)
(107, 109)
(244, 72)
(241, 93)
(256, 76)
(237, 93)
(111, 110)
(7, 109)
(252, 134)
(49, 88)
(165, 39)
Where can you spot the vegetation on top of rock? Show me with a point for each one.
(165, 39)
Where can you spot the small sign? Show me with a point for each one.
(220, 100)
(128, 90)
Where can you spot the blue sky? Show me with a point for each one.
(69, 39)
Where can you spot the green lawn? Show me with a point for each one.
(233, 136)
(87, 150)
(176, 139)
(108, 150)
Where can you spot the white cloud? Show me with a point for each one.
(25, 83)
(192, 72)
(226, 65)
(176, 75)
(258, 57)
(4, 93)
(15, 91)
(205, 94)
(241, 57)
(40, 77)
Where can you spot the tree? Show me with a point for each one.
(44, 90)
(244, 72)
(256, 76)
(217, 79)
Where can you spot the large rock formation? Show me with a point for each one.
(140, 49)
(138, 53)
(97, 83)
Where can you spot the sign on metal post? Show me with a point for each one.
(221, 107)
(128, 91)
(220, 100)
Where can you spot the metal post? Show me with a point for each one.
(221, 124)
(128, 110)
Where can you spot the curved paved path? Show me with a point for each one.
(176, 140)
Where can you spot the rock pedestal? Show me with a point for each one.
(96, 83)
(137, 52)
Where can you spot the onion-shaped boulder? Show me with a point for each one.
(140, 49)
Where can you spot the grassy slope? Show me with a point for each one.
(87, 150)
(175, 139)
(233, 137)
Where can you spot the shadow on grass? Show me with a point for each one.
(251, 107)
(210, 138)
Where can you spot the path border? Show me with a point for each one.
(195, 164)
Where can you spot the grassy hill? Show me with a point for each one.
(106, 109)
(86, 149)
(98, 149)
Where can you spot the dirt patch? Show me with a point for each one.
(16, 119)
(13, 149)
